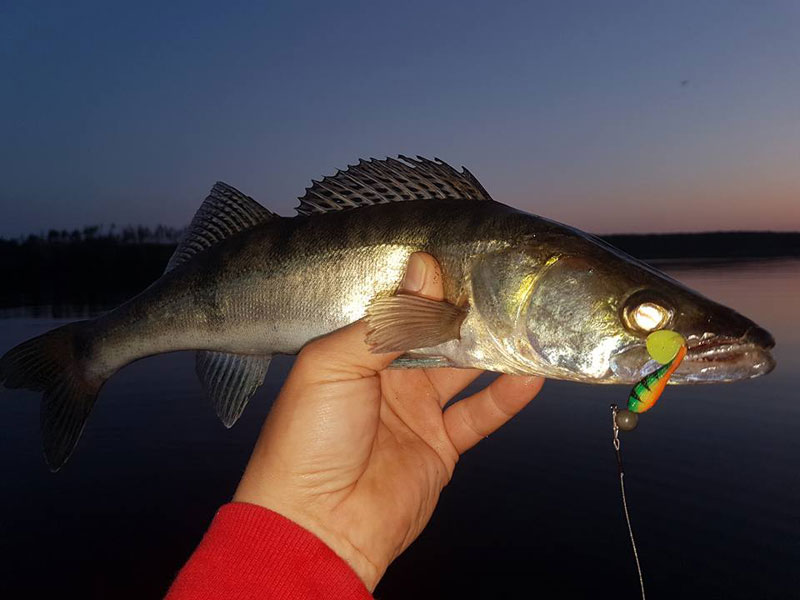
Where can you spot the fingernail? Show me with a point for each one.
(415, 274)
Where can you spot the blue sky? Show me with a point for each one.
(610, 116)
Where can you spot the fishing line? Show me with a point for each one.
(667, 348)
(621, 471)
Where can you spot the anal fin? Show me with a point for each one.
(230, 380)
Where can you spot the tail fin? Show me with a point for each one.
(50, 364)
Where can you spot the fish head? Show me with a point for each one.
(722, 344)
(583, 312)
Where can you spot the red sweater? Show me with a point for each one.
(252, 552)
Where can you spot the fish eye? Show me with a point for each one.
(649, 316)
(646, 314)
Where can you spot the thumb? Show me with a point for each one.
(344, 354)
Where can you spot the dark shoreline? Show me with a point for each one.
(97, 271)
(723, 245)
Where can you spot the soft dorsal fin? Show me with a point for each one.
(224, 212)
(391, 180)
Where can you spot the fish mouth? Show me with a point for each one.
(716, 358)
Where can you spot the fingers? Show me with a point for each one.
(423, 267)
(344, 354)
(450, 381)
(469, 421)
(341, 355)
(423, 277)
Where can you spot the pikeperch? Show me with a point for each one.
(523, 294)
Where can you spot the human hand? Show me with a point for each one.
(358, 453)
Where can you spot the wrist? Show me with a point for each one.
(367, 571)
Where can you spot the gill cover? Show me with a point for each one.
(572, 318)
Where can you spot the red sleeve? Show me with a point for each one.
(251, 552)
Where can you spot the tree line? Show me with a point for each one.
(129, 234)
(93, 266)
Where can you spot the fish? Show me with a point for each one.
(522, 294)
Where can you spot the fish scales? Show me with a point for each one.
(272, 288)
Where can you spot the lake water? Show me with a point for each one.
(534, 511)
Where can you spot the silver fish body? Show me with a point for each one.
(536, 297)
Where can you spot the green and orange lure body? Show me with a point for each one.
(644, 394)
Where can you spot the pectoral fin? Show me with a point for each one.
(401, 323)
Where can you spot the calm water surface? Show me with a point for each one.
(712, 476)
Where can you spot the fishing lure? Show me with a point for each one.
(666, 347)
(644, 394)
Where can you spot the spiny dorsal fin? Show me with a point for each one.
(224, 212)
(391, 180)
(230, 380)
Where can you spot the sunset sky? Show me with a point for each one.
(610, 116)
